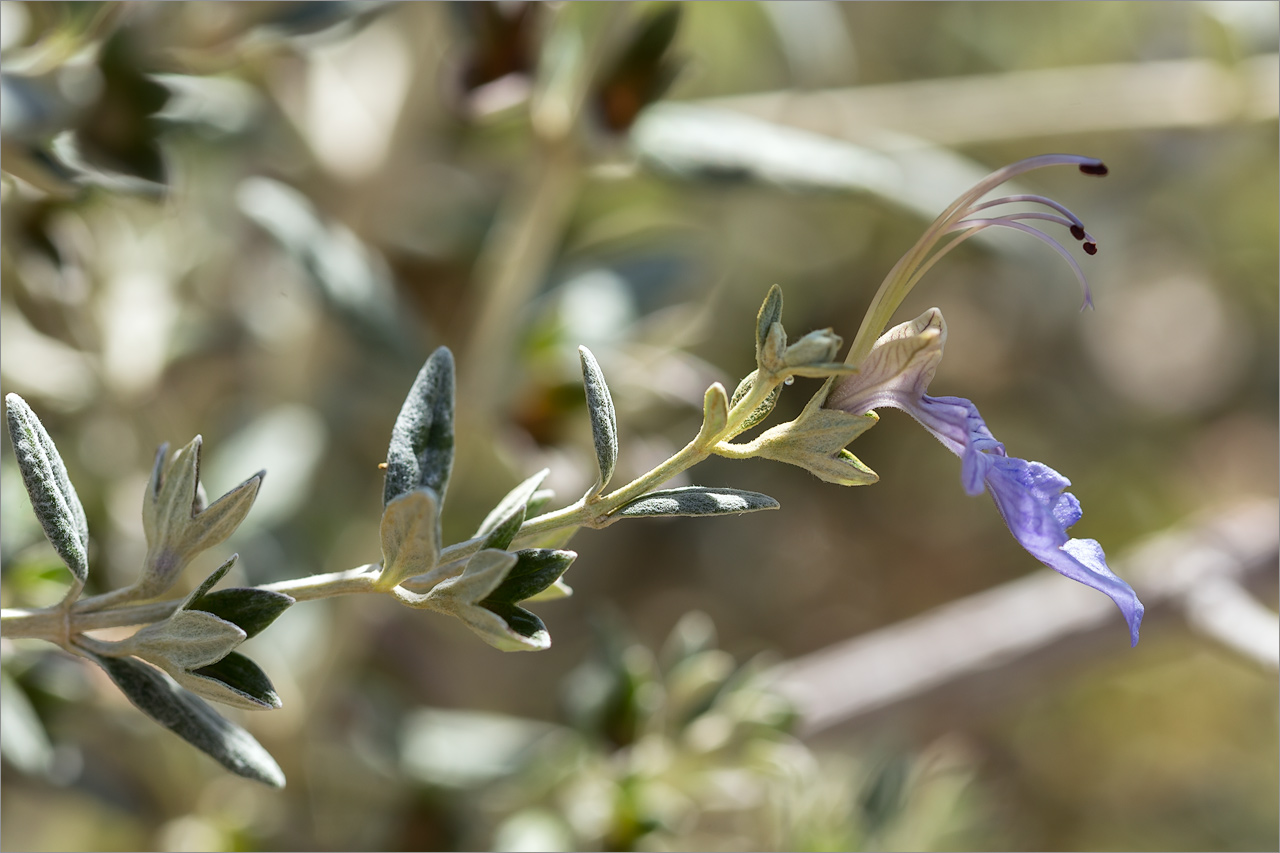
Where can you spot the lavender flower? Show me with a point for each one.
(896, 368)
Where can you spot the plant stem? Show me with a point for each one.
(55, 625)
(50, 623)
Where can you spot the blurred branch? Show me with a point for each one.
(514, 261)
(1220, 609)
(1080, 99)
(521, 245)
(1194, 572)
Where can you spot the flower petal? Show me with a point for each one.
(1030, 496)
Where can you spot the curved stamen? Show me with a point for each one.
(1031, 199)
(911, 266)
(1076, 231)
(976, 225)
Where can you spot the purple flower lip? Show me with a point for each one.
(1030, 496)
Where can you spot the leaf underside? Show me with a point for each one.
(696, 500)
(192, 719)
(604, 421)
(53, 498)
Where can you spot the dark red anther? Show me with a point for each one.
(1090, 248)
(1077, 232)
(1093, 168)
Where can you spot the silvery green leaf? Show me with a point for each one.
(421, 450)
(815, 441)
(252, 610)
(410, 536)
(172, 490)
(604, 422)
(192, 719)
(210, 582)
(53, 498)
(495, 630)
(484, 572)
(528, 627)
(501, 524)
(770, 313)
(715, 410)
(696, 500)
(535, 570)
(234, 680)
(761, 411)
(817, 347)
(177, 524)
(772, 354)
(188, 639)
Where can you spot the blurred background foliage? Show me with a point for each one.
(253, 221)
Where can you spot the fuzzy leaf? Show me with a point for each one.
(696, 500)
(421, 450)
(761, 411)
(221, 518)
(528, 634)
(604, 422)
(173, 490)
(186, 640)
(815, 441)
(534, 571)
(176, 521)
(770, 313)
(53, 497)
(209, 582)
(503, 522)
(410, 536)
(772, 355)
(817, 348)
(483, 574)
(247, 684)
(252, 610)
(192, 719)
(520, 621)
(715, 410)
